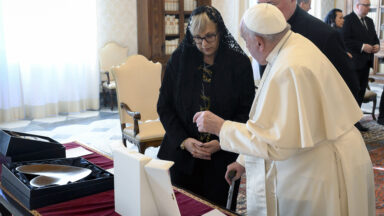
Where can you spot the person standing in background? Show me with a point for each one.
(335, 19)
(361, 40)
(304, 4)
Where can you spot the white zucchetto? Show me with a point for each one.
(265, 19)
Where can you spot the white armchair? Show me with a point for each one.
(137, 84)
(112, 54)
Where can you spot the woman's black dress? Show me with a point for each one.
(226, 88)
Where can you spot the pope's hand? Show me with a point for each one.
(238, 168)
(208, 122)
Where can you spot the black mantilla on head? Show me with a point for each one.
(226, 38)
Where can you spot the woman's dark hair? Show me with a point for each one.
(331, 17)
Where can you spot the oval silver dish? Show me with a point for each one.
(52, 174)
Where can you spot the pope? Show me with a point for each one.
(300, 150)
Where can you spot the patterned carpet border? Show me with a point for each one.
(377, 156)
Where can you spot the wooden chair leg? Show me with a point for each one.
(111, 98)
(374, 109)
(125, 142)
(142, 147)
(104, 97)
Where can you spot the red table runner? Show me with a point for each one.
(104, 204)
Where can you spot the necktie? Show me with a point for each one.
(364, 24)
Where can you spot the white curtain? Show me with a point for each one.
(48, 58)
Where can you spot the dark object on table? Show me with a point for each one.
(18, 185)
(16, 146)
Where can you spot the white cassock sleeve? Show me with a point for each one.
(297, 108)
(239, 144)
(240, 159)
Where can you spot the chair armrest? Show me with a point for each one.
(370, 79)
(135, 115)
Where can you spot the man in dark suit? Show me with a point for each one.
(323, 36)
(361, 39)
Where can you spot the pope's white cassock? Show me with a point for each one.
(301, 151)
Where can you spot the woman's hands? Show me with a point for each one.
(212, 146)
(194, 147)
(206, 121)
(201, 150)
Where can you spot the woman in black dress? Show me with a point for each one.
(208, 71)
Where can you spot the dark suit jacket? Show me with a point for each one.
(329, 41)
(355, 34)
(232, 93)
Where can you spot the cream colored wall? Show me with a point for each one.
(327, 5)
(340, 4)
(229, 11)
(117, 21)
(232, 11)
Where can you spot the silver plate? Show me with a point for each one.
(52, 174)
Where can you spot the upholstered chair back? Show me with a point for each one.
(111, 54)
(137, 83)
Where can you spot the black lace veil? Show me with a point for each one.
(226, 38)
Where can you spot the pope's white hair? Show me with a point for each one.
(268, 37)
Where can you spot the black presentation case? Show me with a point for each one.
(17, 146)
(35, 197)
